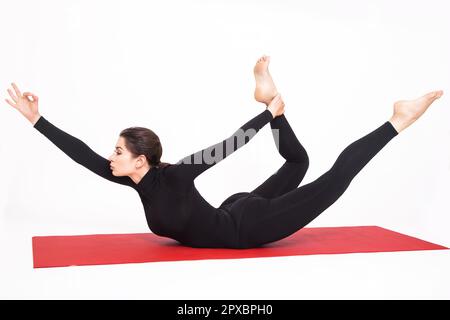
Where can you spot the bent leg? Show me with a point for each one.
(274, 219)
(291, 173)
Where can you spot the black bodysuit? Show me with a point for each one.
(274, 210)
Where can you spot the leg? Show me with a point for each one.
(291, 173)
(268, 220)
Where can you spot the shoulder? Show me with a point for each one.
(175, 173)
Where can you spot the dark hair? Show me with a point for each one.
(139, 140)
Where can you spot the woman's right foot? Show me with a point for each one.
(265, 89)
(408, 111)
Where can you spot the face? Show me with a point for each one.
(122, 161)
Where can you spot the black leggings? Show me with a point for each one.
(278, 207)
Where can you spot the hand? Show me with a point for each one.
(276, 106)
(26, 103)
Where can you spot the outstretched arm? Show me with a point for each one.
(193, 165)
(80, 152)
(27, 105)
(188, 168)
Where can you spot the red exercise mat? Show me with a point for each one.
(61, 251)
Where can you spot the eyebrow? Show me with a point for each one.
(119, 148)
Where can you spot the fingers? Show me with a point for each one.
(16, 89)
(276, 99)
(433, 94)
(12, 95)
(10, 103)
(29, 94)
(16, 95)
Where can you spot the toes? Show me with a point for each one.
(430, 95)
(435, 94)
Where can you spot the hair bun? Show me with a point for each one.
(154, 161)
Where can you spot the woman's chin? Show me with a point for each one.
(116, 174)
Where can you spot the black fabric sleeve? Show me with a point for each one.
(80, 152)
(193, 165)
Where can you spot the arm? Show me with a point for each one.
(80, 152)
(27, 104)
(193, 165)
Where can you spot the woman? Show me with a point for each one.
(274, 210)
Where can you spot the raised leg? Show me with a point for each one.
(291, 173)
(266, 221)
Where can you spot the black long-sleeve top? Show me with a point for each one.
(173, 206)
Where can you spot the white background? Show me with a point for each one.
(185, 70)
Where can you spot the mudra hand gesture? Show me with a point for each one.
(26, 103)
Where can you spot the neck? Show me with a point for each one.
(139, 174)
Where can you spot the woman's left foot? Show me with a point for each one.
(407, 112)
(265, 89)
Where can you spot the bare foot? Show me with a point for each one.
(265, 89)
(408, 111)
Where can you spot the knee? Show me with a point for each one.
(301, 164)
(302, 156)
(304, 165)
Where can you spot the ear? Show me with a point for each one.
(141, 160)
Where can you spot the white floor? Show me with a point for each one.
(391, 275)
